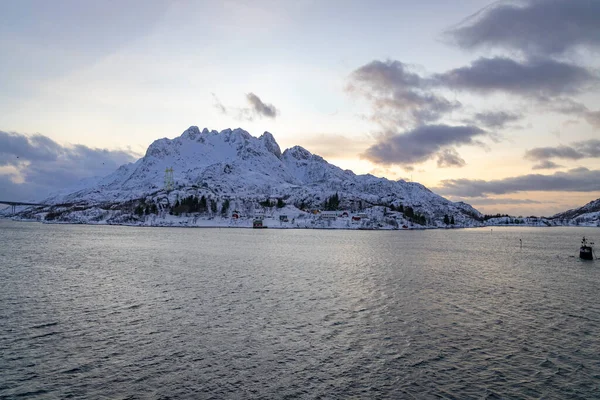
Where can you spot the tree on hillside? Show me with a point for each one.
(452, 220)
(332, 203)
(225, 207)
(446, 219)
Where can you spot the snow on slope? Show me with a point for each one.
(233, 164)
(591, 208)
(588, 215)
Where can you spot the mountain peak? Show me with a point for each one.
(298, 152)
(270, 144)
(191, 133)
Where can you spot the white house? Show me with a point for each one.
(330, 215)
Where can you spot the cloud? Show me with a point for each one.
(260, 108)
(487, 201)
(257, 108)
(496, 119)
(541, 27)
(575, 180)
(15, 148)
(218, 105)
(401, 98)
(450, 158)
(398, 96)
(578, 150)
(420, 144)
(547, 164)
(569, 106)
(538, 78)
(33, 166)
(542, 153)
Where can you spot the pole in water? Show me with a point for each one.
(521, 241)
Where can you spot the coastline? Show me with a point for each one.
(226, 223)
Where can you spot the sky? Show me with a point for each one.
(493, 103)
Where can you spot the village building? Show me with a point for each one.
(329, 215)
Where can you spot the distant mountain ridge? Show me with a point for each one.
(590, 211)
(234, 166)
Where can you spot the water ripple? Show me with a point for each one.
(114, 312)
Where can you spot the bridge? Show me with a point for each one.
(15, 204)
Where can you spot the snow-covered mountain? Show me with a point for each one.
(248, 172)
(589, 214)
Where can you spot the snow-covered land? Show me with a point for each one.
(588, 215)
(231, 178)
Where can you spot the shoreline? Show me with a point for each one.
(248, 225)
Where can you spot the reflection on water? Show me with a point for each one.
(91, 311)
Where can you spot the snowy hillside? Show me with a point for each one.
(589, 215)
(232, 172)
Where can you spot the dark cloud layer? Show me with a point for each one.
(397, 95)
(381, 76)
(260, 108)
(15, 148)
(540, 78)
(422, 144)
(45, 166)
(257, 108)
(575, 180)
(400, 97)
(538, 68)
(539, 27)
(448, 158)
(577, 151)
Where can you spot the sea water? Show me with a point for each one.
(120, 312)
